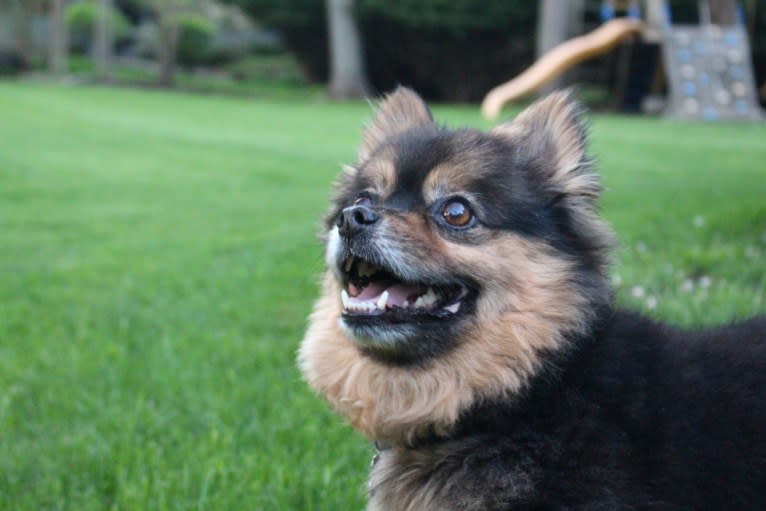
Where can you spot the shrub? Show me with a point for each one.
(81, 21)
(275, 68)
(11, 63)
(447, 49)
(458, 18)
(195, 36)
(302, 25)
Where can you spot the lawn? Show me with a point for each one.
(158, 259)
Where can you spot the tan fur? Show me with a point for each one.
(528, 304)
(452, 177)
(397, 113)
(383, 174)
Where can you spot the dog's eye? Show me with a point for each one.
(363, 200)
(456, 213)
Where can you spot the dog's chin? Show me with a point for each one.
(404, 343)
(380, 336)
(398, 320)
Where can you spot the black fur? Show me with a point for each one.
(642, 416)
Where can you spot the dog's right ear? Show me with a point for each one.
(399, 111)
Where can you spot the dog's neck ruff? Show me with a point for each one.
(398, 405)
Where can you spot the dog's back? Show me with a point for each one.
(711, 435)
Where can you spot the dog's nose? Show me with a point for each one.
(354, 219)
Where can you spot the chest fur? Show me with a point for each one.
(454, 476)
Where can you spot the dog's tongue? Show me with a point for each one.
(397, 293)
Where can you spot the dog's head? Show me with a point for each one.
(456, 252)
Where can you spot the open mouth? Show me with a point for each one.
(373, 291)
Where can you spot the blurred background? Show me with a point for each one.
(164, 166)
(449, 51)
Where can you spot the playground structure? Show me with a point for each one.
(707, 65)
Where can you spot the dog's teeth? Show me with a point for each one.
(406, 304)
(383, 300)
(430, 297)
(344, 298)
(453, 308)
(349, 263)
(418, 303)
(362, 307)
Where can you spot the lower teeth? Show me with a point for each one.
(381, 305)
(453, 308)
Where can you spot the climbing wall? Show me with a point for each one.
(710, 73)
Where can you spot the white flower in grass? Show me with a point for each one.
(638, 291)
(651, 302)
(699, 221)
(705, 282)
(687, 286)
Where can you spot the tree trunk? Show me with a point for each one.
(347, 76)
(59, 40)
(167, 52)
(23, 36)
(103, 39)
(553, 26)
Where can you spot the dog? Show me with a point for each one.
(466, 325)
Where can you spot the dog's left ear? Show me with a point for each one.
(400, 111)
(552, 130)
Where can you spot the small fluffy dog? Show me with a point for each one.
(466, 325)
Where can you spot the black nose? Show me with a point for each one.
(354, 219)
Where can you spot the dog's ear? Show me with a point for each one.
(553, 133)
(552, 130)
(400, 111)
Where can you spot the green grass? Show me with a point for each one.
(158, 259)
